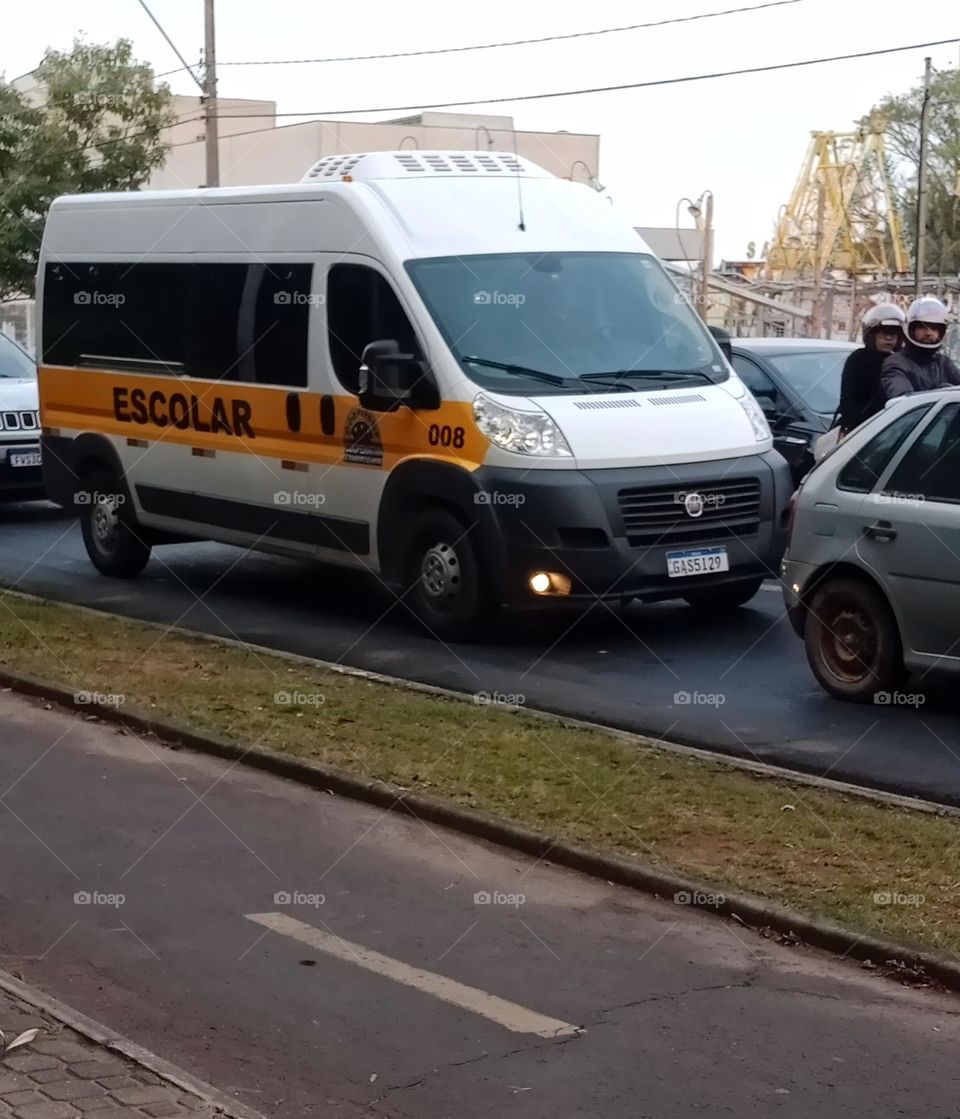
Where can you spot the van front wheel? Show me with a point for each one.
(443, 584)
(111, 536)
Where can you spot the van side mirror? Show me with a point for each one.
(389, 378)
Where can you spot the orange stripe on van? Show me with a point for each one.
(252, 419)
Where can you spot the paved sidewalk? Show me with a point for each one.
(63, 1075)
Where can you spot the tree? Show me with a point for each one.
(98, 126)
(902, 114)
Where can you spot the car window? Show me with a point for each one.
(15, 362)
(863, 471)
(931, 468)
(756, 380)
(814, 376)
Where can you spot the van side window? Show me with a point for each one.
(220, 321)
(121, 311)
(863, 471)
(211, 347)
(931, 468)
(362, 308)
(275, 322)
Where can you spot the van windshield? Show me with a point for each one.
(539, 322)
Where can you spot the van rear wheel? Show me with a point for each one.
(852, 640)
(112, 538)
(443, 584)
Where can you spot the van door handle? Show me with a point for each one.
(881, 531)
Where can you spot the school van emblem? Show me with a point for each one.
(361, 439)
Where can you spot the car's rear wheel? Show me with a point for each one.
(112, 538)
(852, 640)
(718, 600)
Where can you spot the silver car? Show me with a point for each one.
(871, 575)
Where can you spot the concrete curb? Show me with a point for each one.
(99, 1034)
(633, 738)
(749, 909)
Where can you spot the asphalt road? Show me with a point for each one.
(749, 688)
(131, 874)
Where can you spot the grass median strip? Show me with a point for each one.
(879, 869)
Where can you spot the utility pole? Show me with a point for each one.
(818, 264)
(707, 255)
(210, 95)
(920, 262)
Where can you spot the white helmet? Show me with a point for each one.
(930, 310)
(882, 314)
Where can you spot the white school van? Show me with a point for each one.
(450, 368)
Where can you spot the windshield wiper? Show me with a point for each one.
(622, 374)
(523, 370)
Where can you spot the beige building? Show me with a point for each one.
(254, 149)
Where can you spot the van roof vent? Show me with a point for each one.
(400, 165)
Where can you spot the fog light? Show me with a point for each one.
(550, 582)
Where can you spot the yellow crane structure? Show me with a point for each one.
(842, 214)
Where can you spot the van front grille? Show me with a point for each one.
(659, 514)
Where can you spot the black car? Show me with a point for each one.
(797, 384)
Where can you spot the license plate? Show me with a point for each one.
(29, 458)
(697, 561)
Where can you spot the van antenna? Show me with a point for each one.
(522, 225)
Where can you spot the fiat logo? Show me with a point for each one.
(693, 503)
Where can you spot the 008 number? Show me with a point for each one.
(442, 435)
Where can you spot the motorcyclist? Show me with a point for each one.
(861, 389)
(920, 365)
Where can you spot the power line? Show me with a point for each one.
(604, 89)
(508, 43)
(171, 44)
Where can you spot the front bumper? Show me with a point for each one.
(794, 578)
(574, 523)
(20, 483)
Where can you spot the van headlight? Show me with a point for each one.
(758, 421)
(526, 433)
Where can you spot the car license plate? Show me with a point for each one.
(29, 458)
(697, 561)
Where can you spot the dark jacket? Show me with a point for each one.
(914, 369)
(861, 389)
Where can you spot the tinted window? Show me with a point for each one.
(566, 314)
(139, 312)
(216, 321)
(275, 324)
(362, 308)
(15, 362)
(756, 380)
(863, 471)
(931, 468)
(814, 376)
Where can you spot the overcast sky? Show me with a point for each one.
(743, 137)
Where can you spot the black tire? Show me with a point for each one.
(852, 640)
(112, 538)
(720, 600)
(443, 584)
